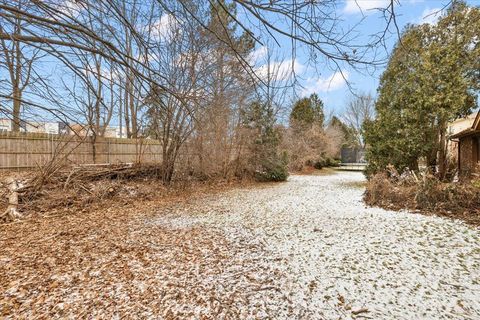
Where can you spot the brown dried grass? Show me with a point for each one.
(426, 195)
(83, 189)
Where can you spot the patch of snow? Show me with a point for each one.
(318, 252)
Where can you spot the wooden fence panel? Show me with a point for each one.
(20, 150)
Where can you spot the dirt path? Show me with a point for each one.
(304, 249)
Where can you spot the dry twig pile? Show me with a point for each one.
(56, 186)
(426, 194)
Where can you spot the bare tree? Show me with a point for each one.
(218, 143)
(19, 61)
(170, 118)
(312, 24)
(360, 108)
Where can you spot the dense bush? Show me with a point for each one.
(326, 162)
(266, 161)
(273, 171)
(425, 193)
(319, 165)
(274, 168)
(382, 191)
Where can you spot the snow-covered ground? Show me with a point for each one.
(309, 248)
(304, 249)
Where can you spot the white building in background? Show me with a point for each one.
(41, 127)
(114, 132)
(111, 132)
(32, 126)
(122, 134)
(5, 124)
(455, 127)
(60, 128)
(52, 127)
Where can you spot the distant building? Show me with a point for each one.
(352, 155)
(455, 127)
(41, 127)
(5, 124)
(123, 133)
(461, 124)
(60, 128)
(63, 128)
(52, 127)
(467, 142)
(33, 127)
(111, 132)
(114, 132)
(80, 130)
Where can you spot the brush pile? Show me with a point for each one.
(424, 193)
(56, 186)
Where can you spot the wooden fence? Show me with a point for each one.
(19, 150)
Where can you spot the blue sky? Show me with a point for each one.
(328, 83)
(321, 77)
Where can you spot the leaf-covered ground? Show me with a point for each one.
(307, 248)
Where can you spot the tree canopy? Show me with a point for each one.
(307, 111)
(431, 79)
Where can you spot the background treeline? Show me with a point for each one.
(187, 73)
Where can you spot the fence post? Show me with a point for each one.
(51, 147)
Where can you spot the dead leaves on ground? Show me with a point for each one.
(117, 263)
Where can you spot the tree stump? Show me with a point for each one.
(12, 213)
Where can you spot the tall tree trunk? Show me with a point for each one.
(168, 166)
(17, 98)
(133, 114)
(442, 152)
(94, 147)
(126, 113)
(17, 91)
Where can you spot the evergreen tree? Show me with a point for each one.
(266, 160)
(429, 81)
(307, 112)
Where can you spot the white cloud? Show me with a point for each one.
(364, 6)
(71, 8)
(430, 16)
(105, 73)
(333, 82)
(258, 54)
(163, 27)
(281, 70)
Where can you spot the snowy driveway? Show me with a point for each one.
(314, 251)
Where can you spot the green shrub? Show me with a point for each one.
(330, 162)
(325, 162)
(274, 170)
(277, 173)
(318, 165)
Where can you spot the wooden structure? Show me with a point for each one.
(468, 148)
(352, 155)
(356, 166)
(19, 150)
